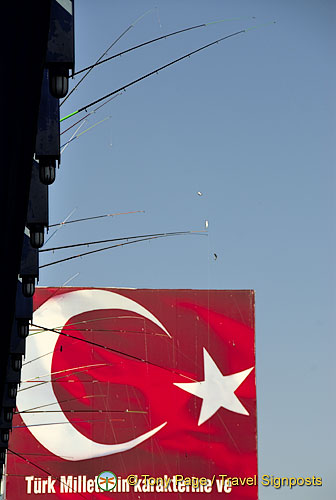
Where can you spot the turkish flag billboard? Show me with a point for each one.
(136, 394)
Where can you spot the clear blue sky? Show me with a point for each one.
(250, 123)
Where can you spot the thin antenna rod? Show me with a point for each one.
(63, 401)
(68, 372)
(151, 73)
(117, 239)
(91, 113)
(95, 344)
(161, 68)
(65, 145)
(106, 51)
(64, 284)
(82, 411)
(106, 248)
(63, 148)
(153, 40)
(60, 225)
(53, 423)
(96, 217)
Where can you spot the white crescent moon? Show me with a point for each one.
(66, 441)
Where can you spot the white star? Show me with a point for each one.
(216, 390)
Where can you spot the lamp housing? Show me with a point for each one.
(60, 56)
(47, 146)
(29, 270)
(38, 208)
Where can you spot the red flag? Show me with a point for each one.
(147, 382)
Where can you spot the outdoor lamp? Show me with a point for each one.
(60, 52)
(47, 146)
(29, 270)
(58, 81)
(5, 435)
(12, 391)
(16, 362)
(8, 415)
(23, 328)
(38, 210)
(23, 311)
(36, 235)
(47, 171)
(28, 286)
